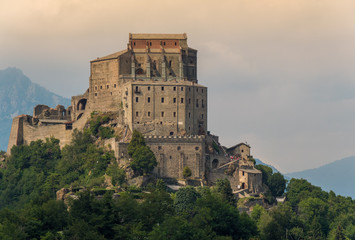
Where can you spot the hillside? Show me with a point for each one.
(259, 162)
(338, 176)
(18, 95)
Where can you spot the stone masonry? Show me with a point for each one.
(153, 86)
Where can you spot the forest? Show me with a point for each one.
(31, 176)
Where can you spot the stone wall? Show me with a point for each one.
(175, 153)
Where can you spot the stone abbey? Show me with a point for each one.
(152, 87)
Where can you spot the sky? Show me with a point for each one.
(280, 73)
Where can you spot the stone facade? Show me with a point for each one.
(152, 85)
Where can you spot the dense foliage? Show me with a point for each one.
(143, 158)
(33, 174)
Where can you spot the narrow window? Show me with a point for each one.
(174, 88)
(162, 88)
(162, 99)
(196, 89)
(150, 43)
(196, 102)
(178, 148)
(148, 114)
(202, 116)
(134, 43)
(202, 104)
(171, 134)
(136, 88)
(100, 87)
(136, 99)
(182, 88)
(136, 114)
(175, 43)
(170, 63)
(159, 147)
(114, 85)
(189, 89)
(174, 114)
(95, 87)
(182, 100)
(95, 94)
(164, 43)
(202, 90)
(189, 115)
(148, 88)
(148, 99)
(189, 100)
(162, 114)
(174, 100)
(107, 86)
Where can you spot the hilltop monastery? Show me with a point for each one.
(151, 86)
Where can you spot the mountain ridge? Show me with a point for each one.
(19, 95)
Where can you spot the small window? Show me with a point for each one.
(202, 116)
(174, 100)
(136, 99)
(150, 43)
(164, 43)
(162, 88)
(175, 43)
(95, 87)
(171, 134)
(182, 88)
(182, 100)
(197, 148)
(114, 85)
(137, 88)
(189, 100)
(174, 114)
(170, 63)
(178, 148)
(197, 103)
(189, 115)
(189, 89)
(202, 90)
(100, 87)
(162, 114)
(111, 93)
(196, 89)
(95, 94)
(162, 99)
(107, 86)
(148, 88)
(148, 114)
(159, 147)
(149, 99)
(136, 114)
(134, 43)
(174, 88)
(243, 173)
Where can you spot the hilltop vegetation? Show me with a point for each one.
(33, 174)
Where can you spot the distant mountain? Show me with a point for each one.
(18, 95)
(259, 162)
(338, 176)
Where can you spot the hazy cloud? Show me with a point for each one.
(280, 73)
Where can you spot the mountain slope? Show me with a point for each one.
(338, 176)
(259, 162)
(18, 95)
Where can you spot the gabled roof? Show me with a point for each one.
(157, 36)
(111, 56)
(238, 146)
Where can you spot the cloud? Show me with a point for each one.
(280, 73)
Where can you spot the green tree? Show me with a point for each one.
(277, 184)
(184, 200)
(143, 160)
(223, 187)
(136, 142)
(186, 172)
